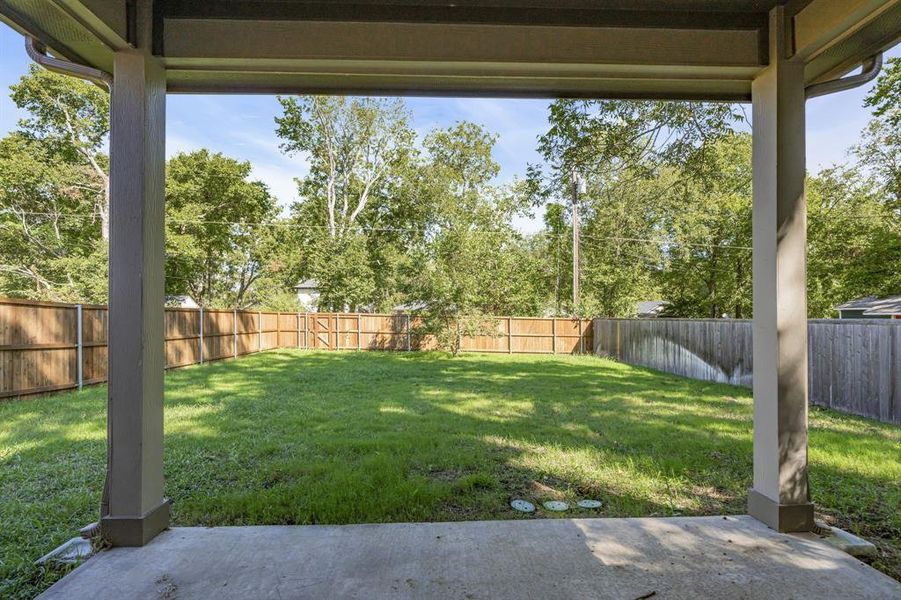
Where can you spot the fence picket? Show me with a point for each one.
(853, 366)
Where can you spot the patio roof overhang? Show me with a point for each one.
(704, 49)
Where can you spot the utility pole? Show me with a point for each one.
(578, 188)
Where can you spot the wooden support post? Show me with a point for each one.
(780, 496)
(259, 331)
(359, 332)
(235, 332)
(201, 335)
(581, 338)
(409, 335)
(79, 340)
(133, 508)
(554, 333)
(509, 335)
(618, 341)
(337, 332)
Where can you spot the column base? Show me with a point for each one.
(135, 531)
(784, 518)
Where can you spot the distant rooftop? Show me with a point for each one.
(871, 305)
(307, 284)
(651, 308)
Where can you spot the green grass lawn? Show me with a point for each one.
(302, 437)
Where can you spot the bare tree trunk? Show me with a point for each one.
(104, 212)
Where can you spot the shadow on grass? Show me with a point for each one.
(293, 437)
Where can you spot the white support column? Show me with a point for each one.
(780, 497)
(136, 510)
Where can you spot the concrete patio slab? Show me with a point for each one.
(689, 557)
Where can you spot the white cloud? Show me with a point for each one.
(279, 180)
(177, 143)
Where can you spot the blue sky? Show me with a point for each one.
(243, 126)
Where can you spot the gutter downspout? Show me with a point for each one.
(37, 51)
(869, 70)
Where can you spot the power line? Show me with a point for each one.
(390, 229)
(661, 242)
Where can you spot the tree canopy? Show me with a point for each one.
(391, 217)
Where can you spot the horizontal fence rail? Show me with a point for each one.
(49, 346)
(854, 365)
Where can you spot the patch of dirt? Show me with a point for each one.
(438, 474)
(546, 490)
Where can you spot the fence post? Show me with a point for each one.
(337, 332)
(554, 333)
(359, 332)
(618, 352)
(297, 324)
(509, 335)
(79, 340)
(259, 331)
(201, 335)
(278, 330)
(235, 332)
(581, 338)
(306, 331)
(409, 338)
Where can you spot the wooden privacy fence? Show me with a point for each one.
(854, 365)
(515, 335)
(47, 346)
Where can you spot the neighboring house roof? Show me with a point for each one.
(413, 306)
(181, 302)
(871, 305)
(307, 284)
(651, 308)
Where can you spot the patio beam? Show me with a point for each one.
(821, 24)
(136, 509)
(780, 496)
(266, 56)
(833, 38)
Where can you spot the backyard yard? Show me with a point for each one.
(296, 437)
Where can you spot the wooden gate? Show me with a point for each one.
(322, 331)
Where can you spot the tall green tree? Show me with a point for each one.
(359, 152)
(219, 229)
(879, 150)
(707, 227)
(552, 248)
(54, 216)
(50, 244)
(471, 266)
(854, 240)
(70, 119)
(623, 149)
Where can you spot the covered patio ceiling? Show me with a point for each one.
(706, 49)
